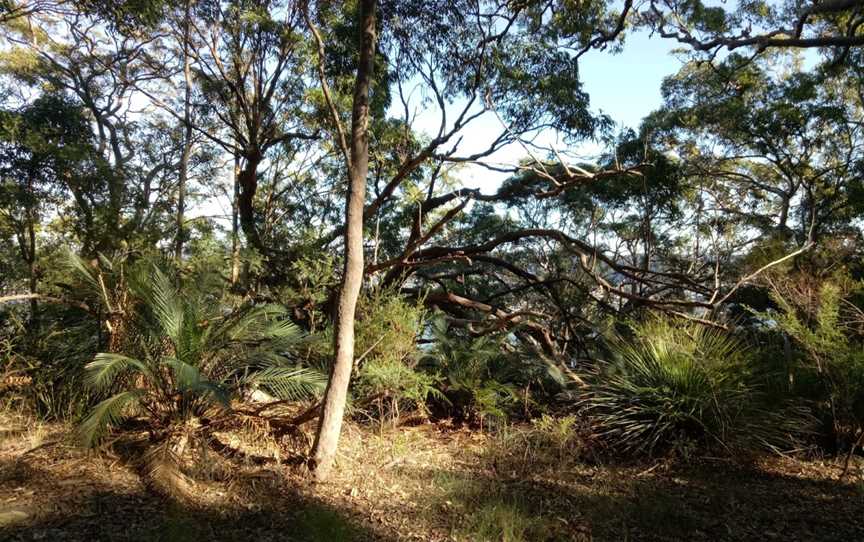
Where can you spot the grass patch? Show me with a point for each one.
(319, 523)
(484, 509)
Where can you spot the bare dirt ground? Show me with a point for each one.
(419, 483)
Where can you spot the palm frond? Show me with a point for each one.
(185, 375)
(105, 262)
(162, 298)
(284, 331)
(106, 367)
(262, 358)
(83, 270)
(106, 414)
(188, 379)
(293, 383)
(213, 392)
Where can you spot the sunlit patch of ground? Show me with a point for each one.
(417, 483)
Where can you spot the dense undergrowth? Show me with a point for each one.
(180, 357)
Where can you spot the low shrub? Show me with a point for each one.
(824, 321)
(390, 388)
(476, 375)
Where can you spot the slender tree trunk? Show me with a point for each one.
(27, 246)
(784, 213)
(31, 266)
(235, 225)
(327, 438)
(187, 138)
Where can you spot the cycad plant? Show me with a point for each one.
(681, 385)
(475, 374)
(189, 359)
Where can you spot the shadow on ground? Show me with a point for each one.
(88, 512)
(704, 503)
(77, 498)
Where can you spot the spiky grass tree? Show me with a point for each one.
(188, 360)
(678, 384)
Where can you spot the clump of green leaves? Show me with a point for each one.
(388, 382)
(683, 386)
(389, 389)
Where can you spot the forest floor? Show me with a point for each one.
(426, 482)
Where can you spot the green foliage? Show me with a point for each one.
(387, 382)
(558, 433)
(824, 321)
(313, 280)
(51, 357)
(387, 333)
(388, 328)
(392, 387)
(503, 521)
(190, 359)
(486, 510)
(477, 377)
(128, 15)
(48, 156)
(683, 386)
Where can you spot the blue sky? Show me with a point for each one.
(627, 85)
